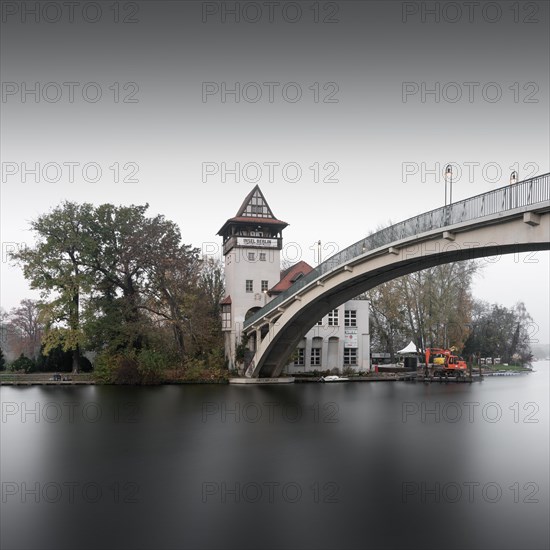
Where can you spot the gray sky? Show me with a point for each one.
(388, 95)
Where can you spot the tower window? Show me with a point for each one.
(265, 286)
(249, 285)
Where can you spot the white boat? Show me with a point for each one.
(334, 379)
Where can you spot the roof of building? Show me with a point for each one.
(226, 301)
(255, 210)
(290, 276)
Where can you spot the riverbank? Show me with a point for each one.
(87, 379)
(80, 379)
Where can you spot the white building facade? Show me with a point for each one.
(338, 342)
(252, 243)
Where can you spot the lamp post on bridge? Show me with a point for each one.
(513, 181)
(449, 177)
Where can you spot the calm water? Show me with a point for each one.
(381, 465)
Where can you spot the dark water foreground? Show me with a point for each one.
(315, 466)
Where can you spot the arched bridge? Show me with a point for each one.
(515, 218)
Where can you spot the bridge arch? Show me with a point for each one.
(516, 223)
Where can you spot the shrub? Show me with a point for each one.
(104, 367)
(119, 368)
(23, 363)
(145, 367)
(127, 370)
(151, 366)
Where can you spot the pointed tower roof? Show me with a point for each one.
(254, 209)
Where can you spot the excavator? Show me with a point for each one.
(444, 362)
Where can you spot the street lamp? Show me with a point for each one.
(513, 181)
(449, 176)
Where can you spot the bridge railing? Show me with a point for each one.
(526, 193)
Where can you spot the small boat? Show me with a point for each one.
(334, 379)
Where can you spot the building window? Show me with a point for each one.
(333, 318)
(350, 318)
(249, 285)
(300, 359)
(350, 356)
(262, 256)
(264, 286)
(320, 323)
(251, 256)
(315, 358)
(226, 317)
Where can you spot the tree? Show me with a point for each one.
(57, 360)
(438, 304)
(2, 360)
(55, 266)
(118, 281)
(211, 282)
(387, 317)
(497, 331)
(432, 307)
(136, 261)
(27, 326)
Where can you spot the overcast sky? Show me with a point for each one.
(367, 99)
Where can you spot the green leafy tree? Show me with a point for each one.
(140, 269)
(120, 282)
(55, 266)
(2, 360)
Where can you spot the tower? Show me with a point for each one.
(252, 243)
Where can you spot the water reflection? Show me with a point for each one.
(304, 466)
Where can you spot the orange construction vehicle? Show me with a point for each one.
(444, 362)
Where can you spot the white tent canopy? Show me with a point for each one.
(410, 348)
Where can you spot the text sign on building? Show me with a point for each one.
(258, 242)
(350, 338)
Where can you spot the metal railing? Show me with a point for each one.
(525, 193)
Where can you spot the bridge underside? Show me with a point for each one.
(278, 334)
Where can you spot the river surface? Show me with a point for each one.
(362, 465)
